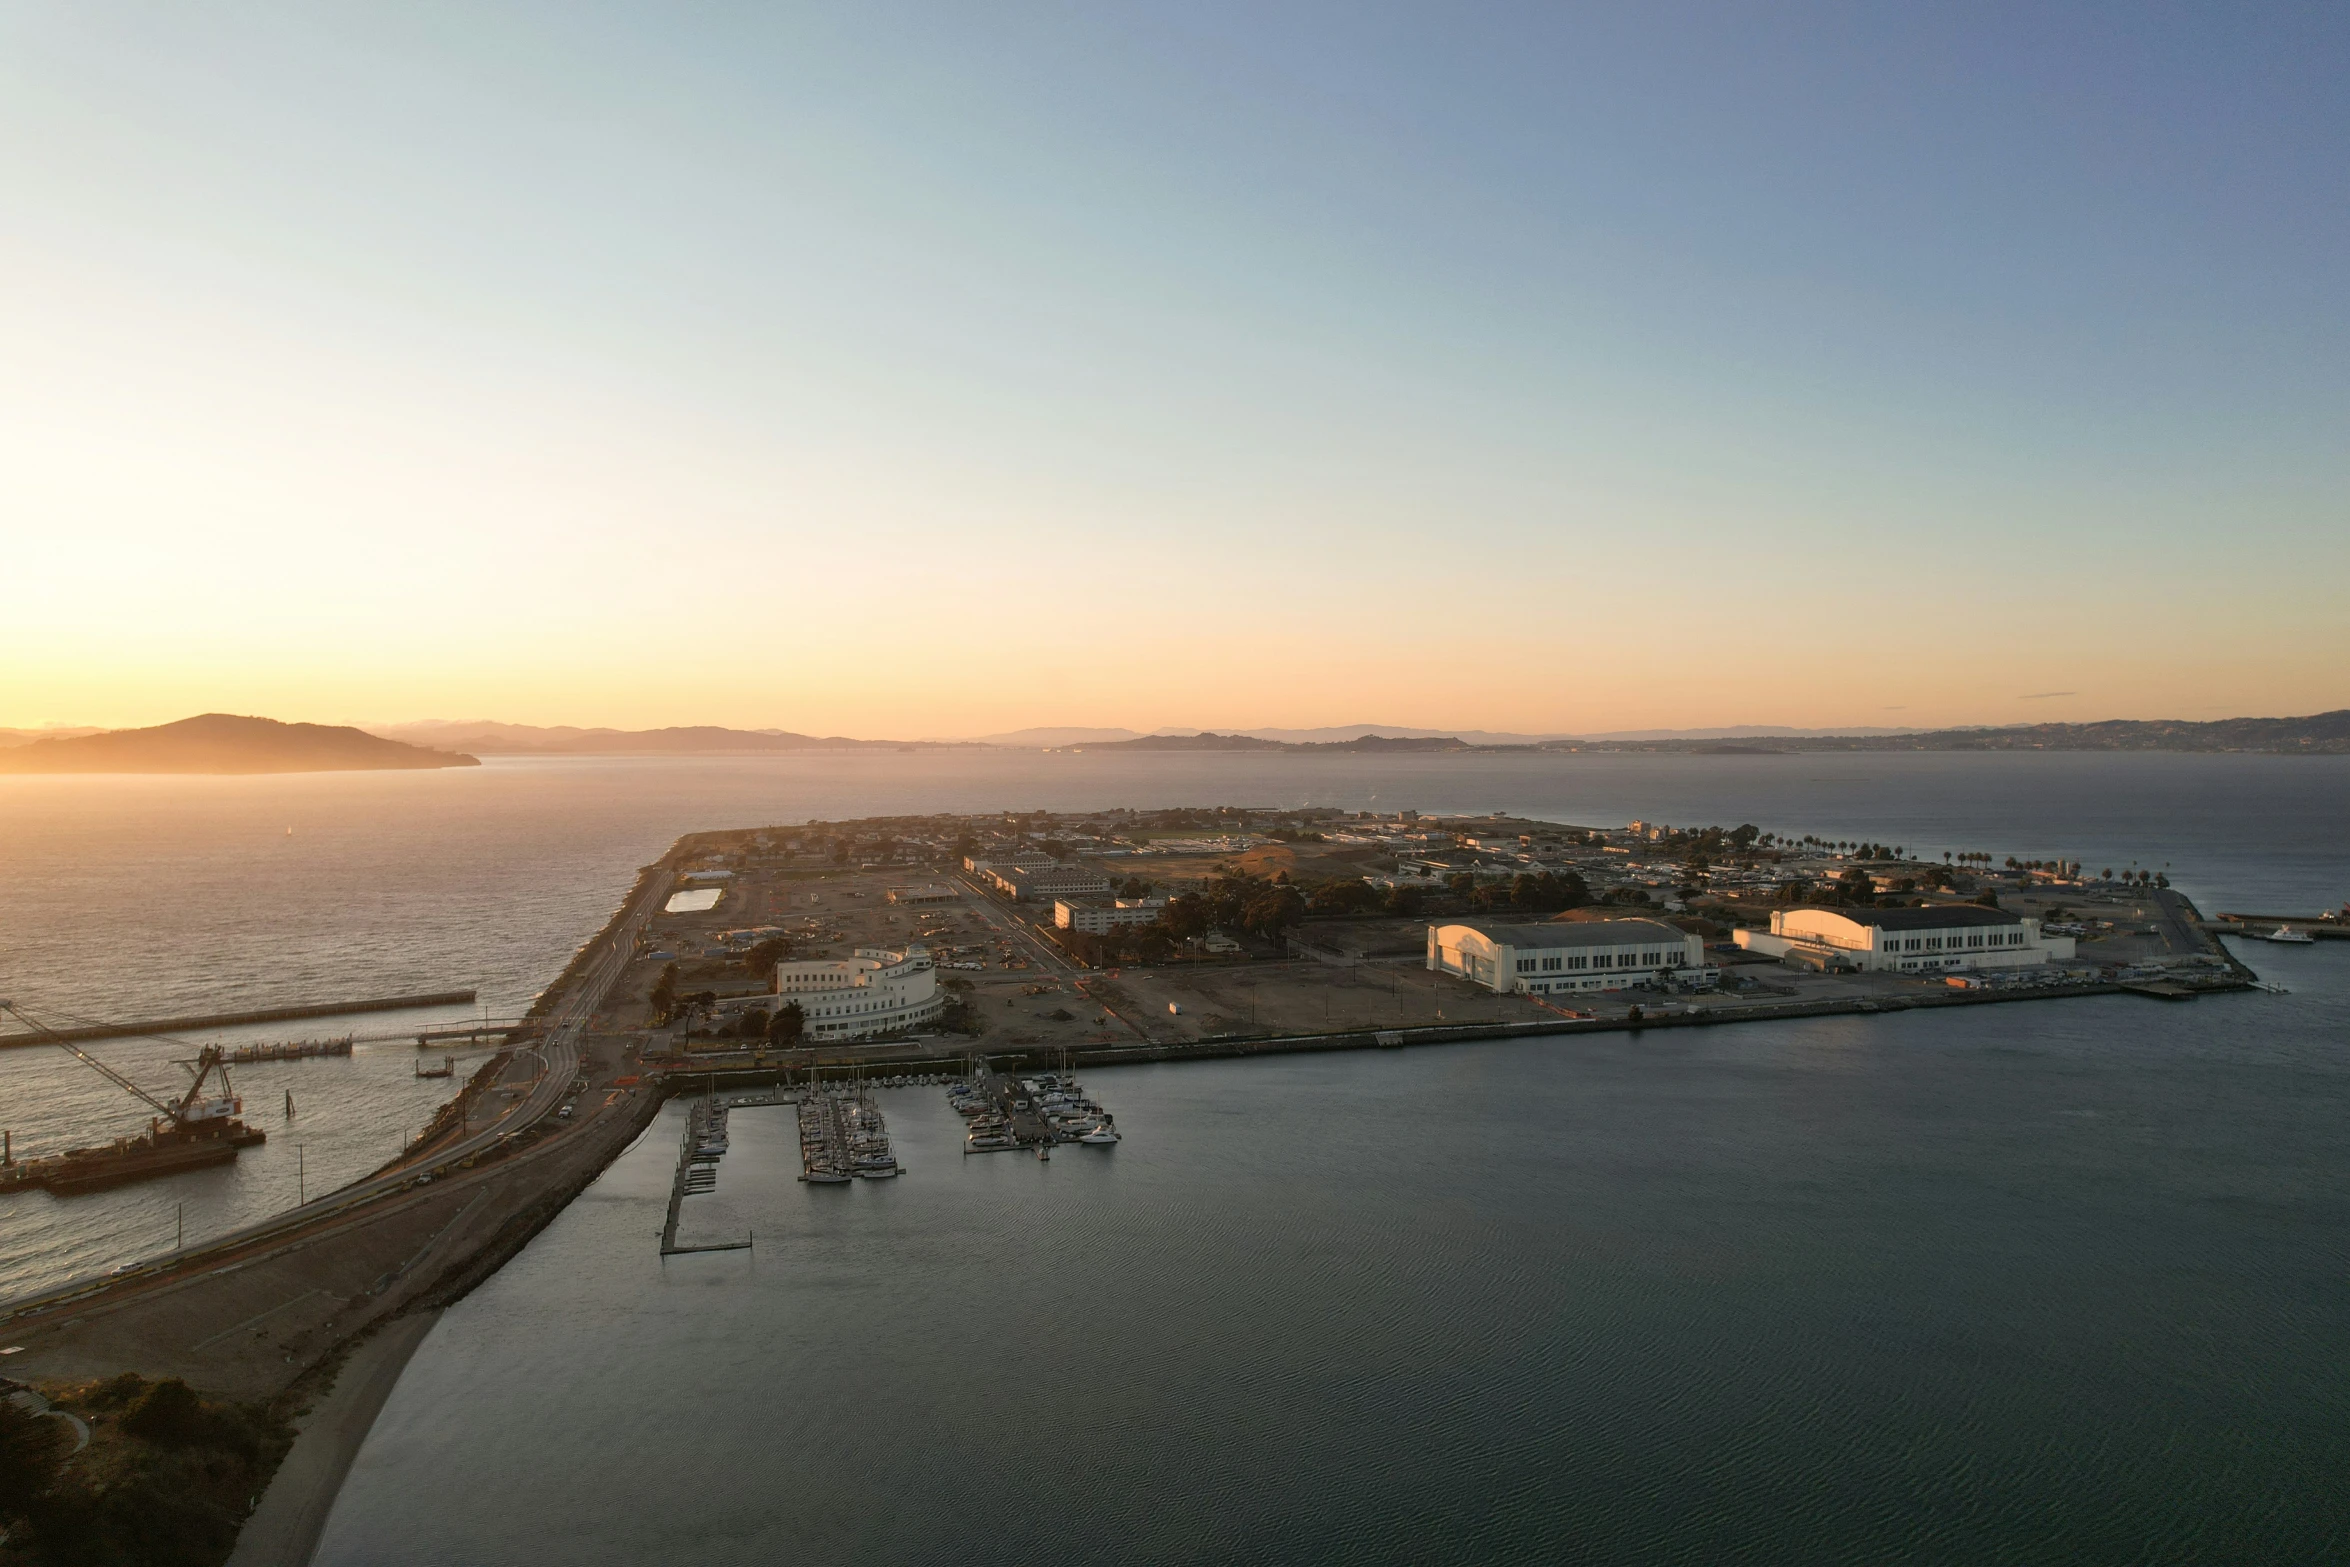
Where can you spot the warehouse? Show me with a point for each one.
(1908, 940)
(1566, 956)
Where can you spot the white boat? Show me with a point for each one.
(825, 1175)
(878, 1172)
(2291, 937)
(1104, 1133)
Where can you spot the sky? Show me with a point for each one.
(928, 370)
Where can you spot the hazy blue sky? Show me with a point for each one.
(894, 370)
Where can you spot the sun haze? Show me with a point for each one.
(919, 372)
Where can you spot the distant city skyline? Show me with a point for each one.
(924, 371)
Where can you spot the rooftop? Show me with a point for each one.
(1574, 933)
(1937, 916)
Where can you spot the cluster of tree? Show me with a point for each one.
(1295, 835)
(1529, 892)
(2141, 878)
(764, 955)
(664, 995)
(169, 1483)
(1236, 901)
(1358, 897)
(1854, 847)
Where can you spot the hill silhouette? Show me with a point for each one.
(227, 743)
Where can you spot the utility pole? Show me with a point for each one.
(180, 1241)
(301, 1173)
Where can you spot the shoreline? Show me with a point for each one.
(284, 1530)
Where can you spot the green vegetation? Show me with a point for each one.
(166, 1480)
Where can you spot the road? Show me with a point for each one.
(1041, 952)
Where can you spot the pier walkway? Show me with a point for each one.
(698, 1153)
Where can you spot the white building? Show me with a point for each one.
(1095, 919)
(1560, 956)
(1901, 941)
(878, 990)
(934, 893)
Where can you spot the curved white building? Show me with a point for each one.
(880, 990)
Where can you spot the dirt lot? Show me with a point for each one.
(1300, 998)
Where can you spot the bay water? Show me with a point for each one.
(2057, 1282)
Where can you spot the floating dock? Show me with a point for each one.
(698, 1154)
(843, 1138)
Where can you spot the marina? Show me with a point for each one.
(1005, 1113)
(698, 1153)
(843, 1137)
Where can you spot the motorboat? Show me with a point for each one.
(1102, 1134)
(2291, 937)
(826, 1175)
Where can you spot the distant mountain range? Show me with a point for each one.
(225, 743)
(13, 737)
(1216, 742)
(1056, 738)
(485, 738)
(2318, 734)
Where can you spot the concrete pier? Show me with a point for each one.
(182, 1025)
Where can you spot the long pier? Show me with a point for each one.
(697, 1171)
(183, 1025)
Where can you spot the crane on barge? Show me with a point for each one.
(197, 1130)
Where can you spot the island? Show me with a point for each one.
(227, 743)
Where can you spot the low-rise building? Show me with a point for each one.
(936, 892)
(1095, 919)
(879, 990)
(1907, 940)
(1565, 956)
(1049, 882)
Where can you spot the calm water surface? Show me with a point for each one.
(2059, 1283)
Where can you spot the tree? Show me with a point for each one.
(763, 956)
(1404, 902)
(1272, 911)
(1343, 897)
(1856, 886)
(31, 1450)
(664, 996)
(168, 1414)
(1794, 890)
(787, 1025)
